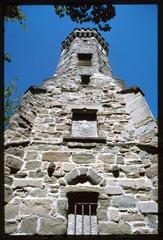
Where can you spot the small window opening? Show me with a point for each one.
(85, 79)
(84, 123)
(82, 219)
(84, 59)
(85, 40)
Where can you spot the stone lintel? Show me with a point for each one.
(84, 139)
(134, 89)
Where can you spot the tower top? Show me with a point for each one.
(85, 32)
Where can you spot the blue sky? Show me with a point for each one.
(132, 41)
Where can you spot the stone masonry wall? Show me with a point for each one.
(41, 167)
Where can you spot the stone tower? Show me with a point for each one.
(81, 151)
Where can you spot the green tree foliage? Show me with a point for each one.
(10, 104)
(99, 14)
(13, 13)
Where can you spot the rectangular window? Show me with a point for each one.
(84, 59)
(85, 79)
(84, 123)
(82, 219)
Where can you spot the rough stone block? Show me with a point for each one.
(31, 155)
(123, 201)
(12, 162)
(102, 214)
(8, 193)
(36, 174)
(67, 167)
(38, 192)
(107, 158)
(29, 225)
(148, 206)
(62, 206)
(8, 180)
(11, 211)
(56, 156)
(113, 214)
(26, 183)
(128, 183)
(10, 226)
(152, 171)
(21, 174)
(16, 151)
(52, 226)
(83, 158)
(31, 165)
(114, 190)
(37, 206)
(6, 171)
(144, 184)
(110, 228)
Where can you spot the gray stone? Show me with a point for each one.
(48, 179)
(152, 221)
(12, 162)
(8, 193)
(37, 206)
(131, 217)
(111, 228)
(6, 171)
(11, 211)
(83, 158)
(21, 174)
(83, 171)
(114, 190)
(62, 182)
(52, 226)
(62, 206)
(36, 174)
(123, 201)
(8, 180)
(59, 174)
(107, 158)
(16, 151)
(56, 156)
(70, 177)
(17, 183)
(128, 183)
(67, 167)
(10, 226)
(31, 155)
(31, 165)
(94, 178)
(148, 207)
(144, 184)
(38, 192)
(114, 214)
(102, 214)
(29, 225)
(120, 159)
(154, 194)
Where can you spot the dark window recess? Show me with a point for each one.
(84, 59)
(88, 115)
(84, 40)
(82, 213)
(85, 79)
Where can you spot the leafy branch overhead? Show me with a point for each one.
(99, 14)
(13, 13)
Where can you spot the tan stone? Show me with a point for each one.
(107, 158)
(56, 156)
